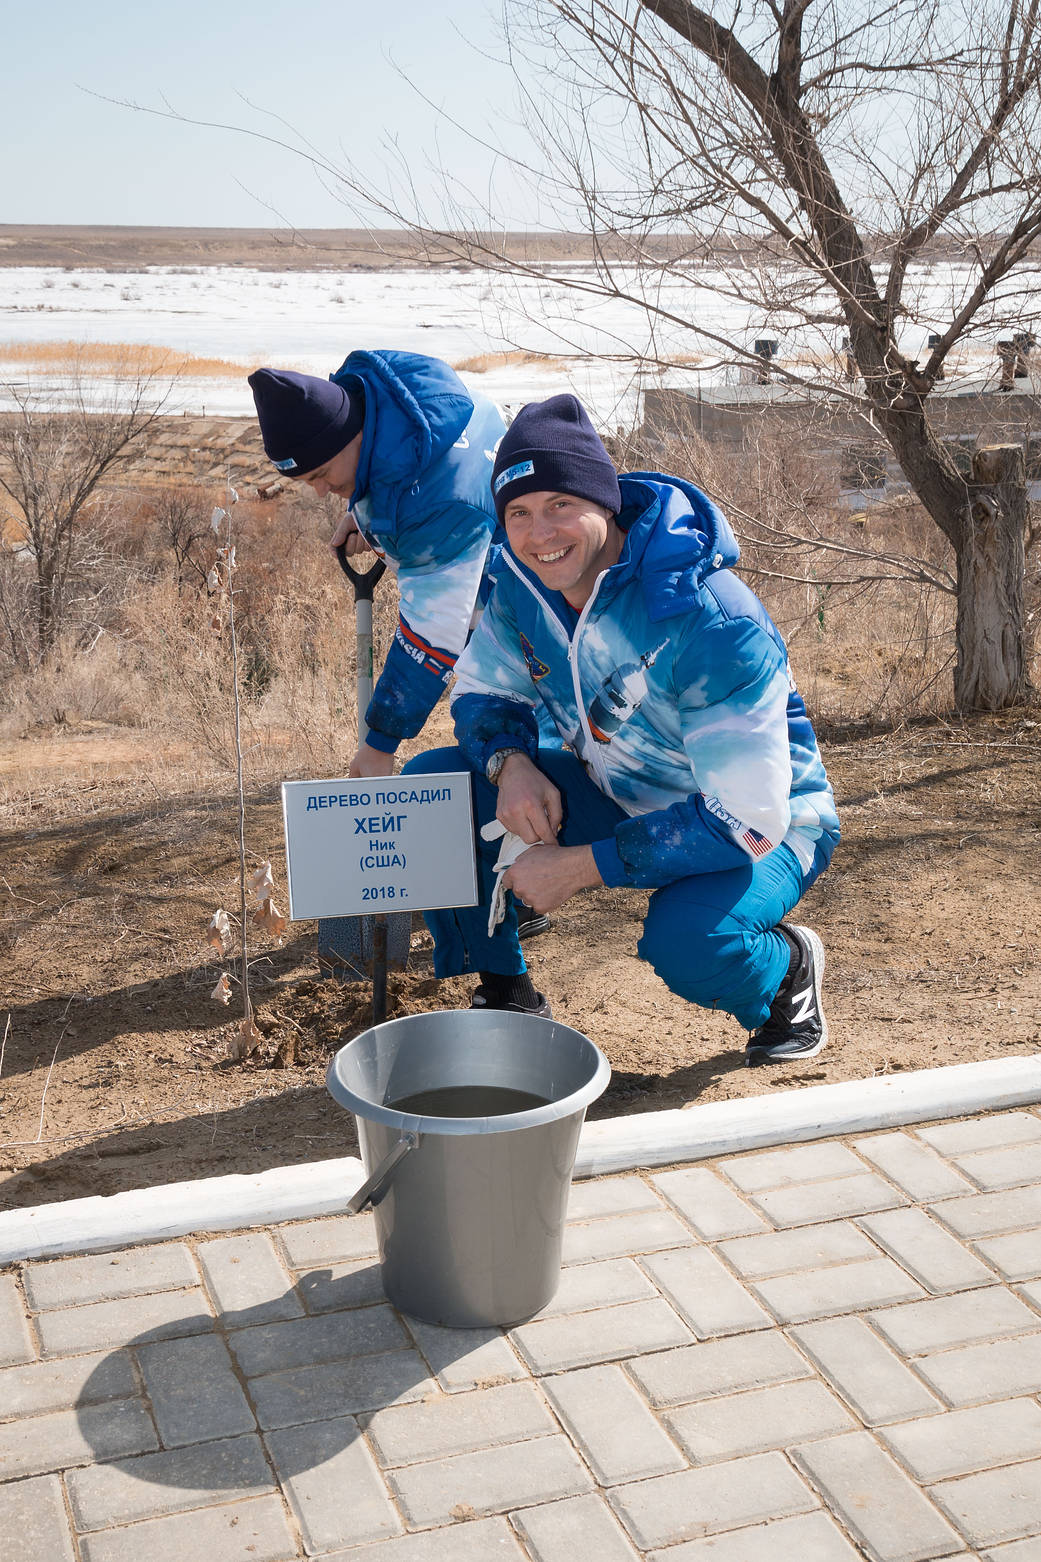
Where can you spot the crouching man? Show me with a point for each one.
(691, 767)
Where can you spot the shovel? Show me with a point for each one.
(349, 948)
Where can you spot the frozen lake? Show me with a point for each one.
(311, 320)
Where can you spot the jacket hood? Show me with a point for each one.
(676, 537)
(415, 410)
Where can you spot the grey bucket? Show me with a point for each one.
(469, 1210)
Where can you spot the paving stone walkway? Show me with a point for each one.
(818, 1353)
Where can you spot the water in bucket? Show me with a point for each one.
(468, 1101)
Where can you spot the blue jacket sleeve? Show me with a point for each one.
(668, 844)
(484, 724)
(414, 677)
(440, 565)
(732, 688)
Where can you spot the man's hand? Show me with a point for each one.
(347, 532)
(529, 804)
(371, 762)
(546, 876)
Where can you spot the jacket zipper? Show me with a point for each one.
(595, 757)
(594, 760)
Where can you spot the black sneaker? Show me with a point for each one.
(795, 1027)
(530, 923)
(480, 1000)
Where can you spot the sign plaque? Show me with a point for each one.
(393, 843)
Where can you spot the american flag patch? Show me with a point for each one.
(757, 844)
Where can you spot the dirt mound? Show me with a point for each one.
(115, 1073)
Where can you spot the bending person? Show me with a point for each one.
(403, 441)
(694, 769)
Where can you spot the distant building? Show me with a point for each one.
(1004, 409)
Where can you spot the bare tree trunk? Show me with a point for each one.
(985, 522)
(47, 628)
(755, 114)
(928, 467)
(991, 669)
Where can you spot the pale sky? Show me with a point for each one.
(325, 67)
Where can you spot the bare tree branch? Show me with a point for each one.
(52, 466)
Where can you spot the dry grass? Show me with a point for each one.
(119, 359)
(484, 363)
(146, 656)
(140, 653)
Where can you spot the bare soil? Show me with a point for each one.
(117, 248)
(114, 1070)
(124, 248)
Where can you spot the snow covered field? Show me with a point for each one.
(311, 320)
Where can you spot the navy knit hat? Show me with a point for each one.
(305, 421)
(551, 446)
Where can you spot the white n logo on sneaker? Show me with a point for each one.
(802, 1005)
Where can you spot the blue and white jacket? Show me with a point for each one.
(673, 687)
(423, 500)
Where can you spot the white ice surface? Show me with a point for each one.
(311, 320)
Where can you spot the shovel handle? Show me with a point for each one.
(364, 581)
(375, 1188)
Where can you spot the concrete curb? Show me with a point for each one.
(176, 1209)
(612, 1145)
(820, 1112)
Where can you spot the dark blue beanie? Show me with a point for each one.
(551, 446)
(305, 421)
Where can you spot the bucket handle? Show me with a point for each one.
(376, 1187)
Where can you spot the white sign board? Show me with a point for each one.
(396, 843)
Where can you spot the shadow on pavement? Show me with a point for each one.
(305, 1379)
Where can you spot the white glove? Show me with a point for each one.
(511, 848)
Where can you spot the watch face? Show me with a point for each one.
(498, 759)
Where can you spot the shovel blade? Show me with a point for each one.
(345, 946)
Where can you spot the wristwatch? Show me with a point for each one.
(493, 769)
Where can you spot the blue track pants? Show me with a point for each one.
(710, 937)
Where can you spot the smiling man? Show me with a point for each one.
(692, 769)
(401, 439)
